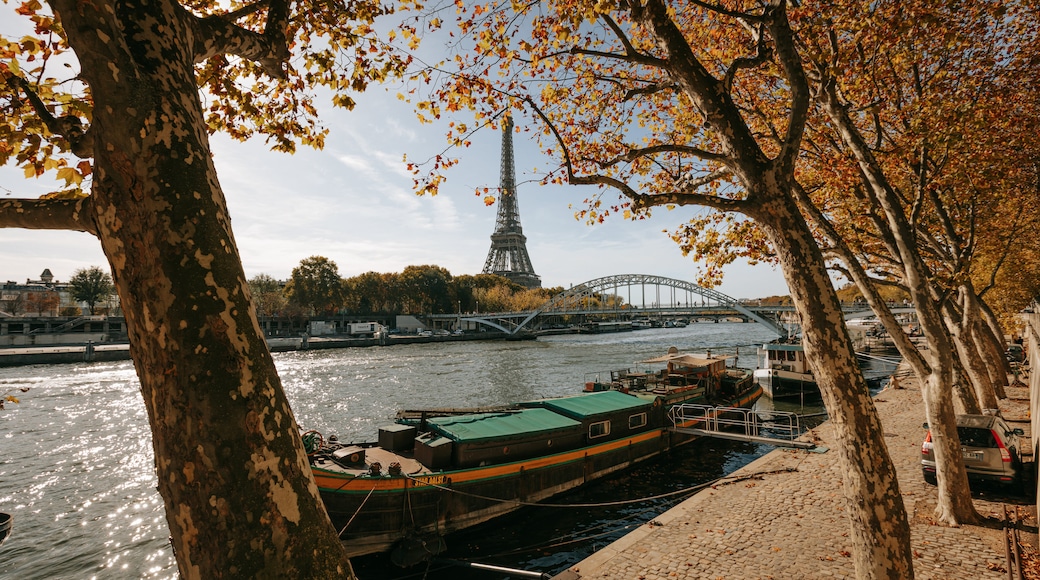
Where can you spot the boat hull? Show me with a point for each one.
(781, 384)
(373, 514)
(451, 501)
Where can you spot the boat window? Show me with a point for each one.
(636, 421)
(599, 429)
(790, 355)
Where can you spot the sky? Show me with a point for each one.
(353, 203)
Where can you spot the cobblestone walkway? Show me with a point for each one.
(789, 523)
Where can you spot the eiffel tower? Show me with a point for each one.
(508, 255)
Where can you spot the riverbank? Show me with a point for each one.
(783, 515)
(96, 352)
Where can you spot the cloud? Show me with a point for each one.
(356, 163)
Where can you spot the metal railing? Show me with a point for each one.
(781, 428)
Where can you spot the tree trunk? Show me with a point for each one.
(954, 505)
(987, 346)
(996, 346)
(979, 338)
(240, 498)
(992, 348)
(991, 322)
(965, 395)
(959, 322)
(879, 532)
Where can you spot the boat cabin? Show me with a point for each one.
(604, 415)
(784, 357)
(486, 438)
(692, 375)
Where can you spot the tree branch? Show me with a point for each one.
(634, 154)
(724, 204)
(726, 12)
(639, 201)
(244, 11)
(218, 35)
(705, 92)
(69, 126)
(649, 90)
(794, 70)
(625, 57)
(1005, 252)
(856, 272)
(689, 183)
(762, 54)
(48, 214)
(631, 53)
(625, 42)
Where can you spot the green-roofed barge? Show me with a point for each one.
(437, 471)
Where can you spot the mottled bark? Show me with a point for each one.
(840, 251)
(991, 349)
(960, 324)
(879, 531)
(954, 505)
(48, 214)
(996, 331)
(240, 498)
(965, 395)
(879, 527)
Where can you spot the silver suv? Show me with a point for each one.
(990, 451)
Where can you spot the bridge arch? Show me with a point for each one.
(585, 292)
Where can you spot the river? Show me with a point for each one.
(76, 466)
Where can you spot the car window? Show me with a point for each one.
(976, 437)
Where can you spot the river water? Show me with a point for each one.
(76, 466)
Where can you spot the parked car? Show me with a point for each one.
(1015, 353)
(990, 450)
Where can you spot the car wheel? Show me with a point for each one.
(929, 477)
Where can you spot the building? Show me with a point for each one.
(44, 298)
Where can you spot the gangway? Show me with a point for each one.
(780, 428)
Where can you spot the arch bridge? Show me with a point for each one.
(629, 297)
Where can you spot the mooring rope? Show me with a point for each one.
(692, 489)
(623, 523)
(356, 512)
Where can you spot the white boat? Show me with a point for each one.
(783, 372)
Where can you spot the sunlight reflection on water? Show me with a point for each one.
(76, 466)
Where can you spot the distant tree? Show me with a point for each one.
(529, 299)
(40, 302)
(494, 299)
(553, 291)
(368, 293)
(316, 284)
(91, 285)
(427, 287)
(268, 295)
(468, 287)
(17, 305)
